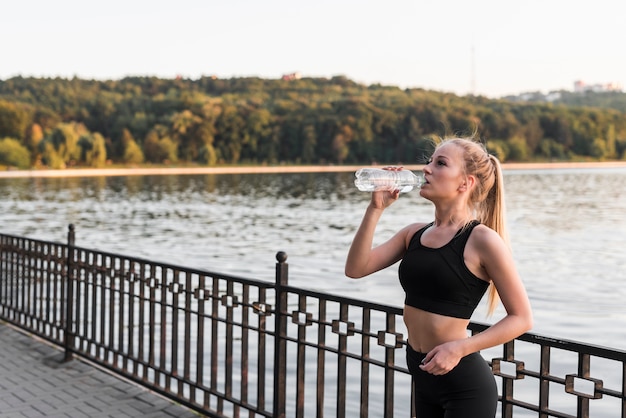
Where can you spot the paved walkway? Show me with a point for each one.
(35, 382)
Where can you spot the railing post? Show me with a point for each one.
(280, 334)
(69, 294)
(507, 383)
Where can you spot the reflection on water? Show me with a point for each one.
(567, 227)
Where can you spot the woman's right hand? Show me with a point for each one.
(383, 199)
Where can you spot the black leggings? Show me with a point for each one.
(467, 391)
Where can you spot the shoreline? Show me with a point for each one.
(96, 172)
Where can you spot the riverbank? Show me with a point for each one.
(153, 171)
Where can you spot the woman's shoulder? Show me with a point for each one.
(482, 230)
(483, 236)
(417, 226)
(410, 230)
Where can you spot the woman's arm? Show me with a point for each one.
(497, 261)
(362, 259)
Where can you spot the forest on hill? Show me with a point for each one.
(58, 123)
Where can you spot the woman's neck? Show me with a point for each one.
(453, 219)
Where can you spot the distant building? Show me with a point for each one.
(581, 87)
(555, 95)
(292, 76)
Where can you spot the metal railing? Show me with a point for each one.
(228, 346)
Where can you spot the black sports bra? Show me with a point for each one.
(437, 279)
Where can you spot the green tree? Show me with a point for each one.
(63, 142)
(46, 118)
(598, 148)
(160, 149)
(132, 153)
(518, 149)
(50, 156)
(530, 128)
(93, 150)
(14, 119)
(230, 134)
(309, 141)
(498, 148)
(387, 141)
(207, 155)
(340, 143)
(184, 133)
(268, 148)
(611, 140)
(14, 154)
(34, 135)
(620, 148)
(557, 126)
(258, 127)
(549, 148)
(205, 136)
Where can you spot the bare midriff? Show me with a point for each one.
(427, 330)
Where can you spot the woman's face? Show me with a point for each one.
(444, 174)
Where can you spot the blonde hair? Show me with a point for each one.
(486, 199)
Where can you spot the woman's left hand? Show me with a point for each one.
(443, 358)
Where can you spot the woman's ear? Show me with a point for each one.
(468, 183)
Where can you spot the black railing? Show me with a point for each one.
(228, 347)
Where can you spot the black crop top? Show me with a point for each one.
(437, 280)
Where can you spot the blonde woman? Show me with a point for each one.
(446, 267)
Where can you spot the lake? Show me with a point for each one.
(567, 226)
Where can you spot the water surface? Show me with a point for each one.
(567, 227)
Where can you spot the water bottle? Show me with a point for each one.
(375, 179)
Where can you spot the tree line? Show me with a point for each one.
(58, 123)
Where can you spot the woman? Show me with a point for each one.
(447, 266)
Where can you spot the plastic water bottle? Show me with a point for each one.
(375, 179)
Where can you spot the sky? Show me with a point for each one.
(485, 47)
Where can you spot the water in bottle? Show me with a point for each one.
(375, 179)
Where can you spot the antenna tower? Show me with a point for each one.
(473, 73)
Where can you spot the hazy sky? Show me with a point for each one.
(489, 47)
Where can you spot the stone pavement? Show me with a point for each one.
(35, 382)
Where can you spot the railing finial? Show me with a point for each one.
(281, 256)
(71, 235)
